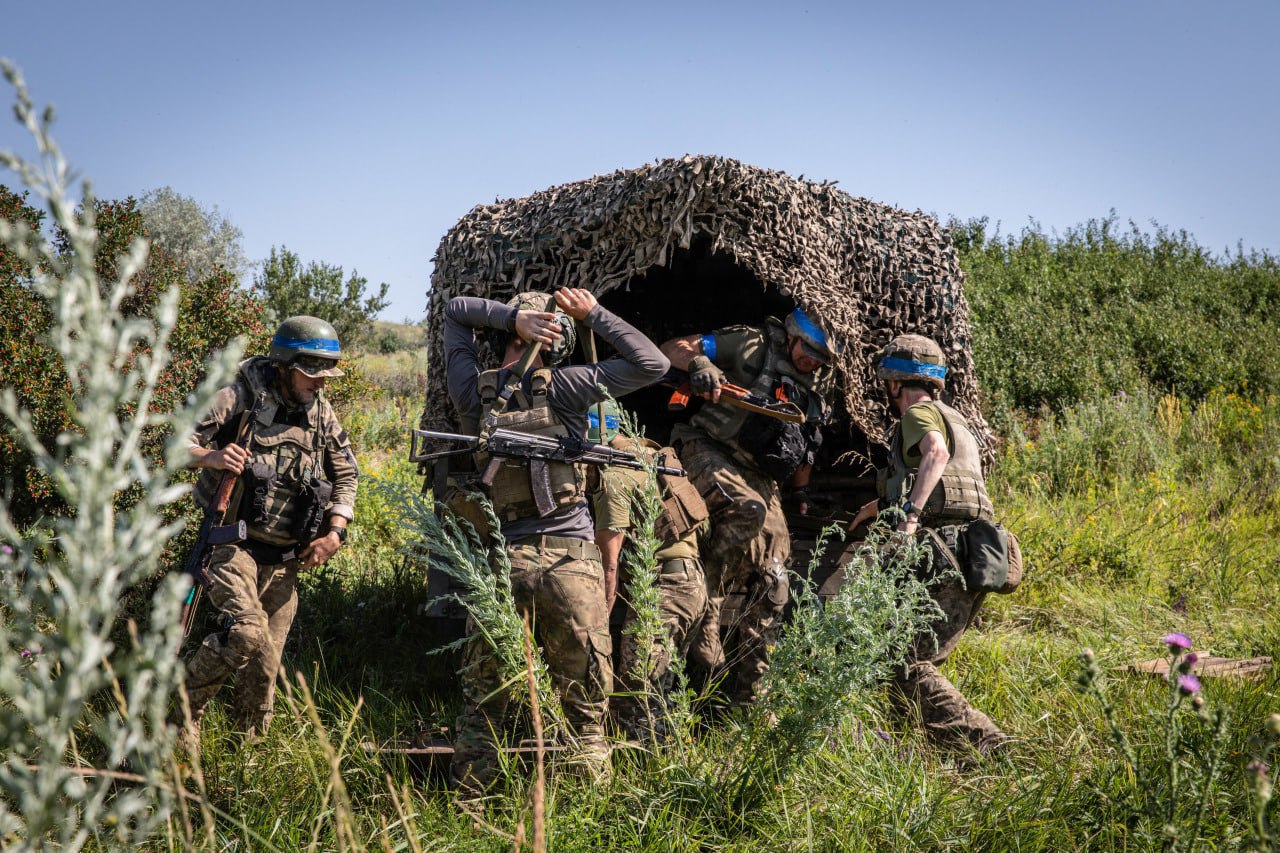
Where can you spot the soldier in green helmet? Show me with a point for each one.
(296, 494)
(934, 475)
(751, 461)
(639, 702)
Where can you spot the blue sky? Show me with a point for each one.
(357, 134)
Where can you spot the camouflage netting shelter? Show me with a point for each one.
(692, 244)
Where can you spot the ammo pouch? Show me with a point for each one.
(683, 508)
(464, 502)
(312, 499)
(778, 447)
(985, 553)
(258, 480)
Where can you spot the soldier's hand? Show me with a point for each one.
(866, 513)
(319, 551)
(705, 378)
(576, 302)
(230, 458)
(540, 326)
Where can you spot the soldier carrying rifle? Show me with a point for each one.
(296, 493)
(748, 459)
(556, 571)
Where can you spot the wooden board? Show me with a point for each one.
(1209, 666)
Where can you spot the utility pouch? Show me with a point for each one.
(986, 546)
(1014, 580)
(464, 503)
(943, 543)
(717, 500)
(259, 478)
(312, 501)
(683, 508)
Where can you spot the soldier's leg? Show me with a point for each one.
(768, 588)
(475, 763)
(732, 547)
(948, 717)
(255, 687)
(233, 590)
(641, 702)
(574, 626)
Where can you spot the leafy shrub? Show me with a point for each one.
(1058, 320)
(211, 312)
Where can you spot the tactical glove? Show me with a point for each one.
(704, 377)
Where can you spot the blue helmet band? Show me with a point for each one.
(610, 421)
(810, 328)
(322, 344)
(916, 368)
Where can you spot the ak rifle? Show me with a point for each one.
(536, 450)
(214, 528)
(731, 395)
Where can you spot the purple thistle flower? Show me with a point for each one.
(1177, 642)
(1188, 684)
(1188, 661)
(6, 549)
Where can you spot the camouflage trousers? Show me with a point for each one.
(748, 548)
(921, 687)
(559, 584)
(259, 602)
(642, 701)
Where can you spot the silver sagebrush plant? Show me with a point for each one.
(82, 719)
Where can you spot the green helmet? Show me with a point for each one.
(532, 300)
(610, 422)
(308, 344)
(913, 357)
(816, 343)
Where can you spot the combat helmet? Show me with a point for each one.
(815, 341)
(533, 300)
(610, 422)
(913, 358)
(309, 345)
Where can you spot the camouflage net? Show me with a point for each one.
(863, 270)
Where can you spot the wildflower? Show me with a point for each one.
(1273, 724)
(1188, 661)
(1197, 702)
(1177, 642)
(6, 549)
(1261, 783)
(1188, 684)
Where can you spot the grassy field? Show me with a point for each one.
(1139, 515)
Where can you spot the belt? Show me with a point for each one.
(680, 564)
(579, 549)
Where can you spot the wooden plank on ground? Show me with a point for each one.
(1209, 666)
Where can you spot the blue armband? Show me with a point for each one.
(709, 346)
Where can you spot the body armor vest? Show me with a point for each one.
(961, 493)
(285, 466)
(725, 423)
(512, 490)
(683, 509)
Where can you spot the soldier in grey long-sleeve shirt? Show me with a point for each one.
(556, 575)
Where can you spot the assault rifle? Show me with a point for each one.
(731, 395)
(537, 449)
(214, 529)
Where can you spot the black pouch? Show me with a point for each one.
(779, 448)
(258, 480)
(312, 500)
(986, 563)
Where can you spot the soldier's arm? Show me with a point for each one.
(681, 351)
(639, 361)
(342, 470)
(210, 446)
(934, 457)
(462, 316)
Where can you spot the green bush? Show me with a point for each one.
(1060, 319)
(212, 311)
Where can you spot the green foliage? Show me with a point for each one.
(289, 288)
(1062, 319)
(200, 239)
(79, 710)
(212, 312)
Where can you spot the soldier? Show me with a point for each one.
(932, 442)
(556, 571)
(746, 459)
(681, 584)
(296, 494)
